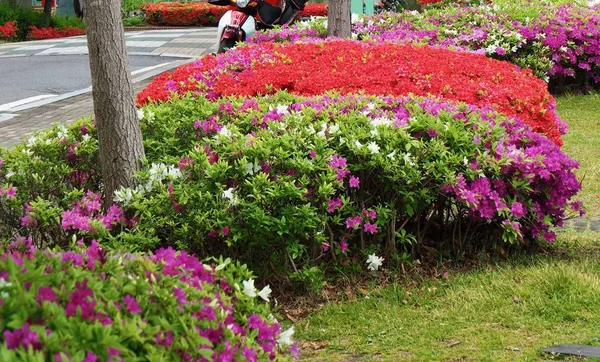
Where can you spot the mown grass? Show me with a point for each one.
(582, 142)
(506, 311)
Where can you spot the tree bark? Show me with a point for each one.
(338, 19)
(47, 10)
(119, 135)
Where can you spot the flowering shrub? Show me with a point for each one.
(560, 46)
(8, 30)
(183, 14)
(285, 183)
(352, 67)
(572, 34)
(92, 305)
(52, 33)
(313, 10)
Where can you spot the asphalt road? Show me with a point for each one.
(42, 76)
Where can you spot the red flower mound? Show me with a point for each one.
(313, 10)
(8, 30)
(183, 14)
(354, 67)
(36, 33)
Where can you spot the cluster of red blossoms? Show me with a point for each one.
(53, 33)
(8, 30)
(183, 14)
(378, 69)
(313, 10)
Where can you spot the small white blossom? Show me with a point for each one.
(229, 195)
(9, 174)
(392, 155)
(225, 132)
(285, 338)
(32, 140)
(358, 144)
(252, 168)
(373, 147)
(374, 262)
(62, 132)
(140, 114)
(4, 283)
(334, 128)
(381, 121)
(249, 288)
(282, 109)
(265, 293)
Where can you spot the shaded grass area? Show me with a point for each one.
(582, 142)
(507, 311)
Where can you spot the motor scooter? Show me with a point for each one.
(250, 16)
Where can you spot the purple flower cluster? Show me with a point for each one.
(573, 35)
(82, 282)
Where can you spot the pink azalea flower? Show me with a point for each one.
(132, 305)
(354, 182)
(370, 228)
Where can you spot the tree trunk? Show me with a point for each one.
(47, 11)
(338, 18)
(119, 135)
(12, 3)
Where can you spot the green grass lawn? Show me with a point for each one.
(582, 143)
(505, 311)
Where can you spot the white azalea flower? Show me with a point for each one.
(282, 109)
(249, 288)
(373, 147)
(334, 128)
(358, 144)
(392, 155)
(229, 195)
(285, 338)
(252, 168)
(225, 132)
(85, 138)
(4, 283)
(140, 114)
(265, 293)
(9, 174)
(374, 262)
(32, 140)
(381, 121)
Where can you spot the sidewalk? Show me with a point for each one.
(23, 126)
(182, 43)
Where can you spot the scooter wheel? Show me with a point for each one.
(226, 44)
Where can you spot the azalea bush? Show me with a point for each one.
(183, 14)
(313, 10)
(88, 304)
(53, 33)
(293, 186)
(8, 30)
(354, 67)
(559, 45)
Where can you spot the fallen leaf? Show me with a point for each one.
(453, 343)
(314, 345)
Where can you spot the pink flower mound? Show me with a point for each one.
(73, 294)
